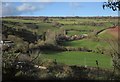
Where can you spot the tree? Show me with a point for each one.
(115, 6)
(112, 5)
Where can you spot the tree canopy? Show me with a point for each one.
(115, 6)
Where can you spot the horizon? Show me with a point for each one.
(59, 16)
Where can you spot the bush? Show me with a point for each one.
(115, 44)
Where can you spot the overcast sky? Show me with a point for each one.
(55, 9)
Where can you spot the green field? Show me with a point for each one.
(105, 35)
(72, 33)
(73, 26)
(82, 27)
(80, 58)
(87, 43)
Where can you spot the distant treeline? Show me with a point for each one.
(41, 17)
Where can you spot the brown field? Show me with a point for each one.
(114, 31)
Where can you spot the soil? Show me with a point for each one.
(114, 31)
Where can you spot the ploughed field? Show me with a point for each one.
(74, 27)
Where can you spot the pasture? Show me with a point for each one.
(80, 58)
(73, 26)
(87, 43)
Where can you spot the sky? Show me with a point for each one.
(56, 0)
(55, 9)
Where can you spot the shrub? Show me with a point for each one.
(115, 44)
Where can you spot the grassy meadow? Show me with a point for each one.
(73, 26)
(80, 58)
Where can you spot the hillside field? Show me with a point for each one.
(36, 32)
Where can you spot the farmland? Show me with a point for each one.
(79, 41)
(80, 58)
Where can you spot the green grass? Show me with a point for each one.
(21, 20)
(80, 58)
(76, 21)
(87, 43)
(105, 35)
(71, 33)
(83, 27)
(42, 27)
(73, 57)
